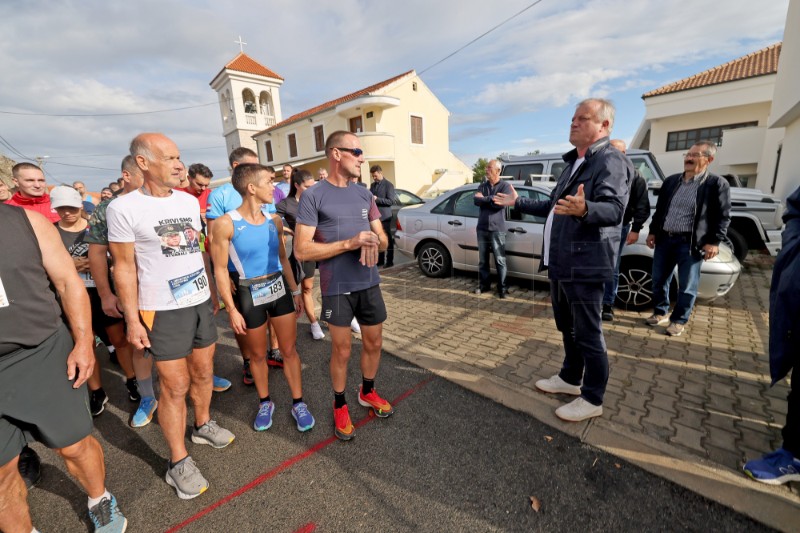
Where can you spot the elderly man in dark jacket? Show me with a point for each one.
(692, 216)
(783, 465)
(581, 243)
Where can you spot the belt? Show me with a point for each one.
(678, 234)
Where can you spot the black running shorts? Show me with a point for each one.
(37, 400)
(254, 315)
(100, 320)
(366, 306)
(175, 333)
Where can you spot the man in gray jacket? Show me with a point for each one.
(581, 243)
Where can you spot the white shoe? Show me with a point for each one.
(577, 410)
(316, 331)
(555, 384)
(355, 327)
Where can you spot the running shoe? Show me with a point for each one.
(144, 414)
(263, 419)
(97, 401)
(343, 427)
(186, 478)
(210, 433)
(775, 468)
(29, 466)
(302, 416)
(133, 390)
(274, 358)
(355, 327)
(379, 406)
(107, 518)
(221, 384)
(316, 331)
(247, 376)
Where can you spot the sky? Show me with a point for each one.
(136, 64)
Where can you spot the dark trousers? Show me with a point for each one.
(791, 431)
(577, 307)
(389, 255)
(494, 243)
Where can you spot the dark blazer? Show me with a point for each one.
(711, 217)
(784, 296)
(585, 248)
(638, 209)
(384, 197)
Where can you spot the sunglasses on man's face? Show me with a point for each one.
(357, 152)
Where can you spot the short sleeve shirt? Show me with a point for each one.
(165, 232)
(98, 225)
(339, 213)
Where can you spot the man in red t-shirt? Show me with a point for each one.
(199, 179)
(32, 190)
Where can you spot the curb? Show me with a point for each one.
(775, 507)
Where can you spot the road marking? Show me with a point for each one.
(289, 463)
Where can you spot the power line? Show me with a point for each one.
(479, 37)
(104, 114)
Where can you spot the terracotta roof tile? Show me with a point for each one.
(760, 63)
(333, 103)
(245, 63)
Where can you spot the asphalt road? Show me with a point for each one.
(447, 460)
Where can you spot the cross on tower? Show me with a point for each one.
(241, 43)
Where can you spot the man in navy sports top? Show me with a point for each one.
(339, 225)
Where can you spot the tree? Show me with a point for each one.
(479, 170)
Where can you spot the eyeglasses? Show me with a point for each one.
(694, 154)
(357, 152)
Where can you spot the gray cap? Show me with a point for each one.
(63, 196)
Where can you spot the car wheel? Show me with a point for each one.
(635, 289)
(739, 244)
(434, 260)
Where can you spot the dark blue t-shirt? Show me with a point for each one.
(339, 213)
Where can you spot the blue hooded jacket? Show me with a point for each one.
(784, 296)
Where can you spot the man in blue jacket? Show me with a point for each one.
(783, 465)
(692, 216)
(581, 243)
(491, 230)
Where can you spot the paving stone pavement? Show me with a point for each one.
(705, 393)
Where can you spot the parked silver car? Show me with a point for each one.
(441, 235)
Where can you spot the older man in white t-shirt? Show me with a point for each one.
(167, 300)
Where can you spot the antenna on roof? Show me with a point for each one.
(241, 44)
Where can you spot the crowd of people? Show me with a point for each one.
(149, 269)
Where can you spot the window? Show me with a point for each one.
(524, 171)
(356, 126)
(416, 130)
(465, 205)
(319, 139)
(268, 150)
(292, 140)
(515, 214)
(682, 140)
(556, 170)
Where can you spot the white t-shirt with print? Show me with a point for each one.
(165, 232)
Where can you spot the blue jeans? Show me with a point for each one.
(493, 242)
(577, 309)
(611, 286)
(671, 251)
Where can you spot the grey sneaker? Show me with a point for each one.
(186, 478)
(210, 433)
(675, 329)
(555, 385)
(656, 320)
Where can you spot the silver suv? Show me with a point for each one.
(755, 217)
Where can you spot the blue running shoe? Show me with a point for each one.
(774, 468)
(144, 414)
(263, 419)
(303, 418)
(107, 518)
(221, 384)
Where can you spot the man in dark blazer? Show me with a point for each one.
(581, 243)
(385, 197)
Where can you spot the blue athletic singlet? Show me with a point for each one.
(253, 251)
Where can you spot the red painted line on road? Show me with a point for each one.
(289, 463)
(308, 528)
